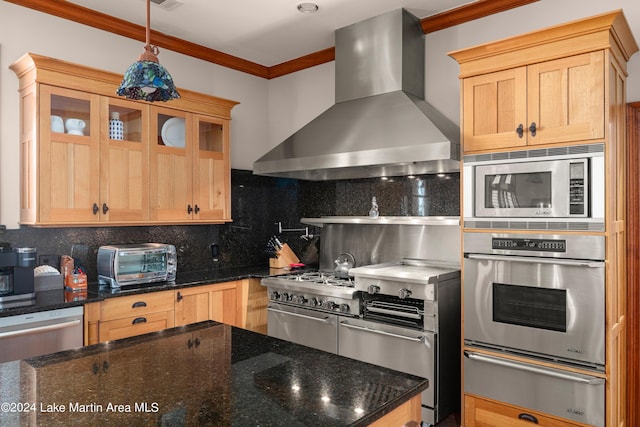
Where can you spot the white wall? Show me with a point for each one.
(442, 87)
(23, 30)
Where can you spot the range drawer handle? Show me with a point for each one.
(534, 369)
(139, 320)
(376, 331)
(532, 260)
(39, 329)
(289, 313)
(139, 304)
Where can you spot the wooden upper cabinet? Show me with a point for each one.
(550, 102)
(170, 164)
(541, 88)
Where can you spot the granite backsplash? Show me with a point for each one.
(258, 204)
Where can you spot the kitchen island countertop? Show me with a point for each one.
(202, 374)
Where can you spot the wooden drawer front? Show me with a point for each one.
(488, 413)
(135, 325)
(136, 305)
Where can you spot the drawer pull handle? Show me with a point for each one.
(139, 304)
(139, 320)
(528, 417)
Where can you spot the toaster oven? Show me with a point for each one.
(134, 264)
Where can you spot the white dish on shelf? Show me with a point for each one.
(173, 132)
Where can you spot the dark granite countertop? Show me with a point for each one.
(54, 299)
(202, 374)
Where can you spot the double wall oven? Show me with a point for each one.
(537, 302)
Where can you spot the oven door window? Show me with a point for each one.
(535, 307)
(518, 190)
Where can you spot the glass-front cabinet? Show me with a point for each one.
(89, 157)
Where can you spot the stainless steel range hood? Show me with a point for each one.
(380, 124)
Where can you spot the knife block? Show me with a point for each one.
(285, 257)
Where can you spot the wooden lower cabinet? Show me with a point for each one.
(403, 415)
(240, 303)
(127, 316)
(221, 302)
(480, 412)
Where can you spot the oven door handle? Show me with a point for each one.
(304, 316)
(534, 369)
(532, 260)
(377, 331)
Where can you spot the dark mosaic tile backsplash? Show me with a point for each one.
(258, 205)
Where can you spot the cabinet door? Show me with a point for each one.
(171, 157)
(69, 164)
(211, 180)
(566, 99)
(494, 106)
(124, 161)
(192, 305)
(226, 304)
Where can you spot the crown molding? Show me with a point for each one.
(82, 15)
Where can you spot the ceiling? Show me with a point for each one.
(267, 32)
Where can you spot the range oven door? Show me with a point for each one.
(565, 394)
(546, 307)
(306, 327)
(402, 349)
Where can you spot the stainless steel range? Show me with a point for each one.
(410, 322)
(304, 307)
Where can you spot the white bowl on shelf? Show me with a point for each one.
(75, 126)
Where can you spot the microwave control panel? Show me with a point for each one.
(519, 244)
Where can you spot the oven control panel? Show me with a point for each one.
(522, 244)
(336, 305)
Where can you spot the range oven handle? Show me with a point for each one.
(377, 331)
(304, 316)
(534, 369)
(536, 260)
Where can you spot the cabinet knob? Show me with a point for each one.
(197, 209)
(189, 209)
(105, 208)
(179, 297)
(95, 208)
(520, 131)
(533, 128)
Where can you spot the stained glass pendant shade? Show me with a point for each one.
(146, 79)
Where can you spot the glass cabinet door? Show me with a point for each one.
(211, 169)
(124, 161)
(170, 165)
(69, 155)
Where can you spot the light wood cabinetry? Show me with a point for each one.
(171, 165)
(480, 412)
(221, 302)
(240, 303)
(552, 102)
(126, 316)
(571, 81)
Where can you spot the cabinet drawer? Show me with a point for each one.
(480, 412)
(136, 305)
(135, 325)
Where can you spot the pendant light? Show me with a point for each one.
(146, 79)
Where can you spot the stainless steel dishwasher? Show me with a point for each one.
(44, 332)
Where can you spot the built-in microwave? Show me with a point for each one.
(554, 188)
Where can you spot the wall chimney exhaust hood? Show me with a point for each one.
(380, 124)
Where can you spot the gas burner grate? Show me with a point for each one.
(320, 279)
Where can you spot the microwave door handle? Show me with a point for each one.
(534, 369)
(531, 260)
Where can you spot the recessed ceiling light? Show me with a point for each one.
(308, 7)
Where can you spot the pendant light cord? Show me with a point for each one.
(150, 51)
